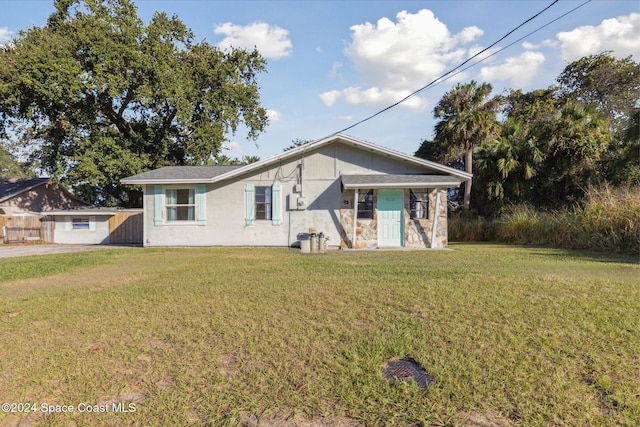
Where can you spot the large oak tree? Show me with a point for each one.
(96, 95)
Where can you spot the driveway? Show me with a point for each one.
(10, 251)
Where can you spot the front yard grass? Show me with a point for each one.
(237, 336)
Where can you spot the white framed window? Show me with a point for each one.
(263, 203)
(79, 223)
(180, 205)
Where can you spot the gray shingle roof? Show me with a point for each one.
(401, 181)
(179, 173)
(169, 176)
(11, 187)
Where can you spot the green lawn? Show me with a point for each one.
(221, 336)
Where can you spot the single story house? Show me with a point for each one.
(360, 195)
(33, 195)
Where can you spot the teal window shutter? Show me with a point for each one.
(201, 204)
(276, 203)
(249, 204)
(157, 205)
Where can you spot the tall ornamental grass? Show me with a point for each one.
(607, 219)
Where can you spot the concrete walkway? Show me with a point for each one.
(10, 251)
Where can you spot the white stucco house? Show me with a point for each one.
(394, 199)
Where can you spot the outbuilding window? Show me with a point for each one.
(79, 223)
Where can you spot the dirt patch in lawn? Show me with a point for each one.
(487, 419)
(105, 275)
(280, 420)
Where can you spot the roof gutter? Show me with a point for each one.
(446, 184)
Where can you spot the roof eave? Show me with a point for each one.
(448, 184)
(77, 213)
(165, 181)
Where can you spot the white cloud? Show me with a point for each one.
(329, 98)
(372, 96)
(5, 34)
(520, 70)
(273, 115)
(544, 43)
(272, 41)
(396, 58)
(620, 35)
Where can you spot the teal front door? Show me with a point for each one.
(390, 217)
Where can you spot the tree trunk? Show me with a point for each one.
(468, 166)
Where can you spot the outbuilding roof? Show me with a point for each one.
(399, 181)
(83, 211)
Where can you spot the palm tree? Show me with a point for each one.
(467, 120)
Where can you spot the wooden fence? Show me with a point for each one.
(21, 228)
(125, 227)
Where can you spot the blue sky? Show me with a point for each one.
(334, 63)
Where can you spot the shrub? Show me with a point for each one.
(607, 219)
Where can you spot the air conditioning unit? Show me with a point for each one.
(301, 203)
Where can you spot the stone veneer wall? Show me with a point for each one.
(417, 232)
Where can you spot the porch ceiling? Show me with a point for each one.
(399, 181)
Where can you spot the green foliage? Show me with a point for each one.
(553, 143)
(97, 95)
(12, 168)
(607, 219)
(609, 83)
(467, 119)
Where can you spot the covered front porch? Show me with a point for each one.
(394, 211)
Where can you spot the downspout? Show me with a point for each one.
(355, 218)
(434, 225)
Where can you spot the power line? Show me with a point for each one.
(442, 77)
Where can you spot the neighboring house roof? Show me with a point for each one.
(12, 187)
(197, 174)
(402, 181)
